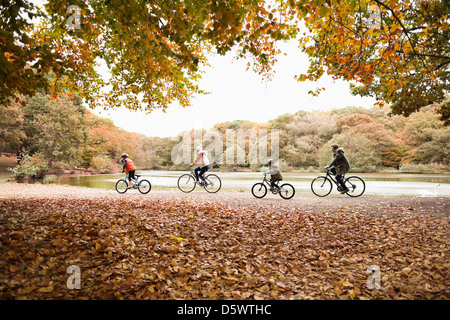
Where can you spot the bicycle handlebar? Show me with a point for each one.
(327, 169)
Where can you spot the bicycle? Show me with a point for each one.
(322, 185)
(144, 186)
(187, 182)
(259, 190)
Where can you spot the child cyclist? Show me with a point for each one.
(129, 168)
(203, 161)
(275, 173)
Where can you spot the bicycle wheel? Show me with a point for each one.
(212, 183)
(144, 186)
(186, 183)
(321, 186)
(259, 190)
(122, 186)
(287, 191)
(356, 185)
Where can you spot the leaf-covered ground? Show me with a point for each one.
(175, 247)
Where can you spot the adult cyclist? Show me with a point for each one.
(339, 166)
(203, 161)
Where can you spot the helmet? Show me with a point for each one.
(269, 161)
(124, 155)
(199, 148)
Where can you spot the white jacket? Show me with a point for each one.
(202, 159)
(273, 169)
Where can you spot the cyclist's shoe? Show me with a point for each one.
(345, 190)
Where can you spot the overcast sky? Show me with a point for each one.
(237, 94)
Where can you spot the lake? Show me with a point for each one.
(386, 184)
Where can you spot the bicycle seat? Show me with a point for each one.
(137, 175)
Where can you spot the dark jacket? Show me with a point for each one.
(340, 162)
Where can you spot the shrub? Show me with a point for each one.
(30, 166)
(282, 164)
(52, 179)
(424, 168)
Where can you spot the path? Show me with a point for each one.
(366, 205)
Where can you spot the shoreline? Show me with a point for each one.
(4, 173)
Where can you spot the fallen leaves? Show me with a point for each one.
(185, 249)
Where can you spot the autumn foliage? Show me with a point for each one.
(194, 249)
(396, 51)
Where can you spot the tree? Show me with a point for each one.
(50, 134)
(357, 148)
(104, 139)
(436, 149)
(382, 141)
(396, 51)
(281, 121)
(427, 137)
(301, 136)
(318, 124)
(153, 49)
(11, 126)
(23, 62)
(353, 121)
(61, 132)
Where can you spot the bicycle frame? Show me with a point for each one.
(330, 175)
(135, 180)
(267, 181)
(192, 176)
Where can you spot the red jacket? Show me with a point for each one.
(128, 165)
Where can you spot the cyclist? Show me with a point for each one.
(203, 161)
(339, 166)
(275, 173)
(129, 168)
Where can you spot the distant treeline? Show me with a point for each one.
(54, 134)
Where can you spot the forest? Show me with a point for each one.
(56, 134)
